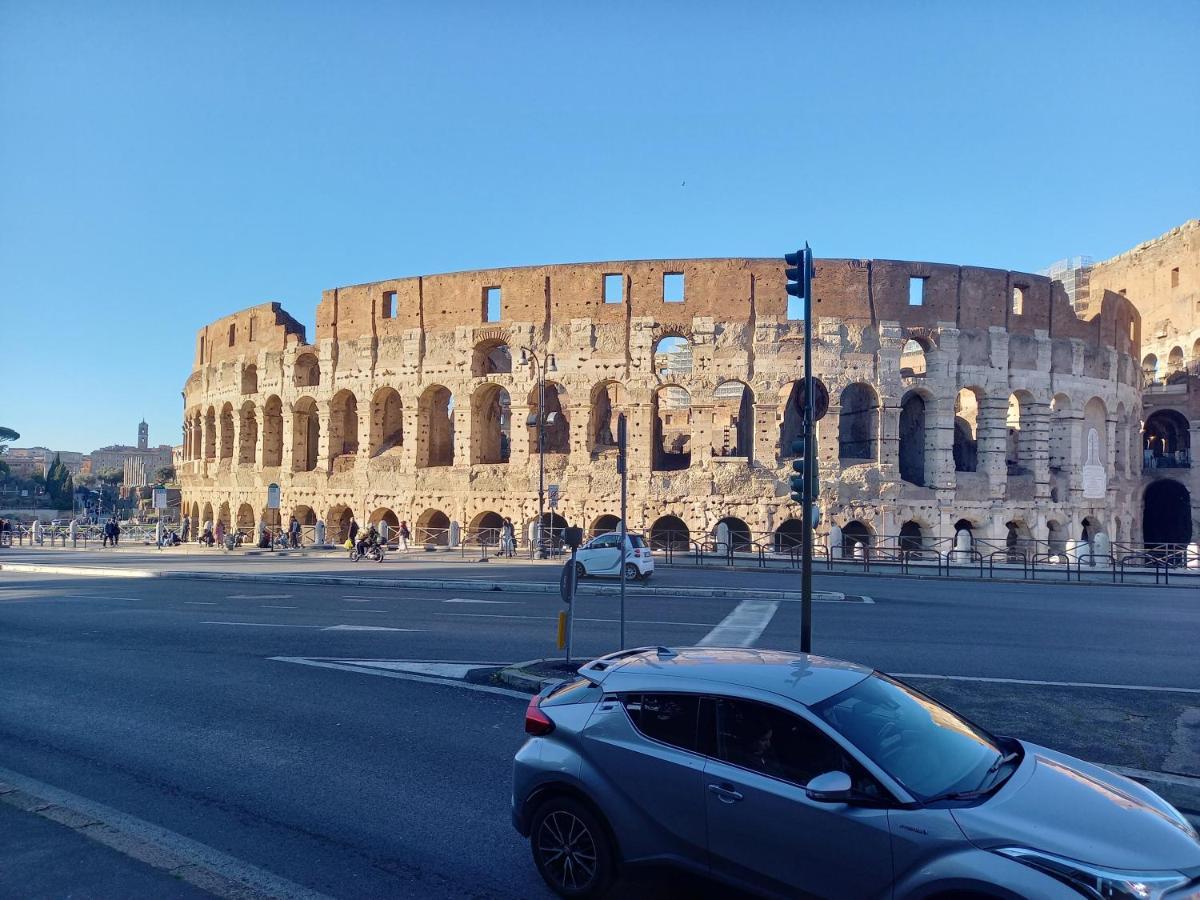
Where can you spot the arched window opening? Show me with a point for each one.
(858, 423)
(1175, 360)
(1060, 432)
(1150, 368)
(670, 532)
(435, 427)
(485, 528)
(733, 534)
(250, 380)
(553, 526)
(1018, 541)
(491, 357)
(305, 515)
(791, 422)
(224, 519)
(273, 432)
(1019, 446)
(1056, 539)
(227, 431)
(733, 420)
(1166, 441)
(196, 522)
(855, 534)
(208, 516)
(248, 436)
(245, 521)
(306, 435)
(556, 429)
(343, 424)
(608, 401)
(911, 537)
(1167, 514)
(604, 525)
(384, 516)
(966, 431)
(672, 357)
(672, 414)
(912, 439)
(337, 524)
(433, 528)
(912, 360)
(387, 421)
(307, 370)
(789, 536)
(491, 425)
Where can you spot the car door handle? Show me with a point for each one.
(725, 793)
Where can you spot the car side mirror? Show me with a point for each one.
(830, 787)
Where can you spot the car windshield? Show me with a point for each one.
(920, 743)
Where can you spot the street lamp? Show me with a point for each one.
(540, 367)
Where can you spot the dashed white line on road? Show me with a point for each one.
(367, 628)
(743, 626)
(577, 619)
(262, 624)
(259, 597)
(201, 602)
(1081, 684)
(468, 600)
(280, 607)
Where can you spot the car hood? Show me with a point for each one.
(1063, 805)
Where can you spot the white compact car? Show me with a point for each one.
(602, 556)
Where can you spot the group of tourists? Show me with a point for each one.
(111, 532)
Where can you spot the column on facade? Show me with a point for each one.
(939, 445)
(992, 437)
(1039, 412)
(287, 456)
(580, 414)
(889, 437)
(324, 460)
(700, 415)
(768, 422)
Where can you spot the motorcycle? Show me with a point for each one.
(370, 551)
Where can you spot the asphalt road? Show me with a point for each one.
(165, 700)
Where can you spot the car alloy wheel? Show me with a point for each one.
(571, 850)
(631, 572)
(580, 571)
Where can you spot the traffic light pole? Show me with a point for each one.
(806, 531)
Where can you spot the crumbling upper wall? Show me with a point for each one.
(262, 327)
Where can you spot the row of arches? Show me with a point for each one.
(1154, 370)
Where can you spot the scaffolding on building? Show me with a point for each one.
(1073, 274)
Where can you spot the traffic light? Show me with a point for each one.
(797, 262)
(797, 480)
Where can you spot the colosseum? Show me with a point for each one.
(959, 398)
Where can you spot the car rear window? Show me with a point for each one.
(579, 690)
(636, 540)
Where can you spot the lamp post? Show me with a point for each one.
(540, 366)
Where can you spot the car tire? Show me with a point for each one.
(631, 572)
(572, 849)
(580, 571)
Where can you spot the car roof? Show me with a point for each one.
(802, 677)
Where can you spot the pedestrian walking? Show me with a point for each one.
(116, 532)
(508, 538)
(404, 535)
(294, 532)
(220, 532)
(353, 535)
(187, 529)
(106, 533)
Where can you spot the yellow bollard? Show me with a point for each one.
(562, 630)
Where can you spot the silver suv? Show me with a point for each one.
(793, 775)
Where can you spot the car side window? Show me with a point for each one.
(602, 542)
(775, 742)
(670, 718)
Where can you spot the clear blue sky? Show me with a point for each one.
(164, 164)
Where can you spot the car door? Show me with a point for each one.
(763, 829)
(603, 555)
(648, 773)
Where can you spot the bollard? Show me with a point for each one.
(562, 630)
(320, 533)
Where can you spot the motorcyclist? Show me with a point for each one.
(368, 538)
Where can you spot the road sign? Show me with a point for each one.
(272, 496)
(160, 498)
(552, 493)
(820, 399)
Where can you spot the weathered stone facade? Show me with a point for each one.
(956, 395)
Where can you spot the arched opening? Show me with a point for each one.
(223, 517)
(1175, 360)
(305, 515)
(964, 525)
(432, 528)
(1019, 447)
(210, 434)
(208, 516)
(672, 356)
(491, 357)
(491, 425)
(273, 432)
(556, 429)
(672, 417)
(1095, 439)
(337, 524)
(853, 534)
(1166, 514)
(552, 528)
(306, 435)
(1166, 441)
(387, 421)
(245, 520)
(489, 524)
(227, 431)
(911, 537)
(1150, 368)
(966, 431)
(247, 435)
(733, 420)
(608, 401)
(789, 535)
(250, 379)
(912, 360)
(1196, 354)
(195, 517)
(1018, 541)
(307, 372)
(604, 525)
(791, 422)
(435, 427)
(732, 533)
(343, 424)
(858, 423)
(384, 516)
(669, 532)
(1089, 528)
(271, 518)
(912, 439)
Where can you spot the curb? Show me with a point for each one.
(515, 675)
(523, 587)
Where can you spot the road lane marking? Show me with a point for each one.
(1082, 684)
(201, 602)
(198, 864)
(467, 600)
(743, 626)
(279, 607)
(367, 628)
(261, 624)
(577, 619)
(259, 597)
(404, 676)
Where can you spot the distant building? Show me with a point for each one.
(139, 463)
(26, 462)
